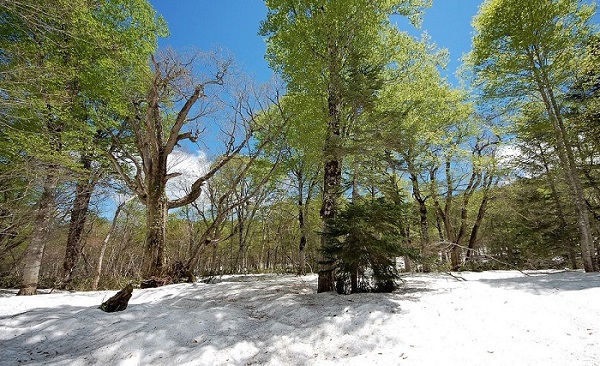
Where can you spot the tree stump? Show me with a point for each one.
(154, 282)
(179, 272)
(119, 301)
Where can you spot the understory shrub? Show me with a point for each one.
(364, 241)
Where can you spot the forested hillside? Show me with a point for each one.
(122, 161)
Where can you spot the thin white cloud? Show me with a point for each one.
(191, 166)
(507, 154)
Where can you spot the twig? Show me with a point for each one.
(458, 278)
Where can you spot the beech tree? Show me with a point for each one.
(332, 54)
(527, 53)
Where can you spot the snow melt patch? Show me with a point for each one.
(488, 318)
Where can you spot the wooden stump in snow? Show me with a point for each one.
(119, 301)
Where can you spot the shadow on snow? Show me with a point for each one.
(272, 320)
(544, 283)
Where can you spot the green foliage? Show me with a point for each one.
(584, 98)
(333, 52)
(365, 239)
(68, 67)
(523, 228)
(514, 40)
(526, 57)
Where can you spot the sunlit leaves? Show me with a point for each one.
(513, 39)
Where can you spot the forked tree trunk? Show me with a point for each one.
(455, 257)
(39, 237)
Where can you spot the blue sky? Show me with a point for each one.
(233, 25)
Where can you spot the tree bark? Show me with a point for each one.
(354, 280)
(331, 187)
(302, 225)
(479, 219)
(156, 220)
(79, 214)
(332, 169)
(39, 237)
(423, 220)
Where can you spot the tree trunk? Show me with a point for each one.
(479, 219)
(443, 214)
(407, 243)
(39, 237)
(238, 265)
(425, 242)
(455, 257)
(111, 231)
(156, 221)
(559, 210)
(354, 281)
(423, 221)
(332, 175)
(567, 159)
(302, 257)
(303, 205)
(331, 188)
(302, 245)
(79, 213)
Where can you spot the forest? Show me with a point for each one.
(358, 161)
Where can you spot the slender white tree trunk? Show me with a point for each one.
(39, 237)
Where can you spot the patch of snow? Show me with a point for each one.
(488, 318)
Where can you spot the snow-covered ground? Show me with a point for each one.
(490, 318)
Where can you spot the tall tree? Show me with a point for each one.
(332, 53)
(527, 53)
